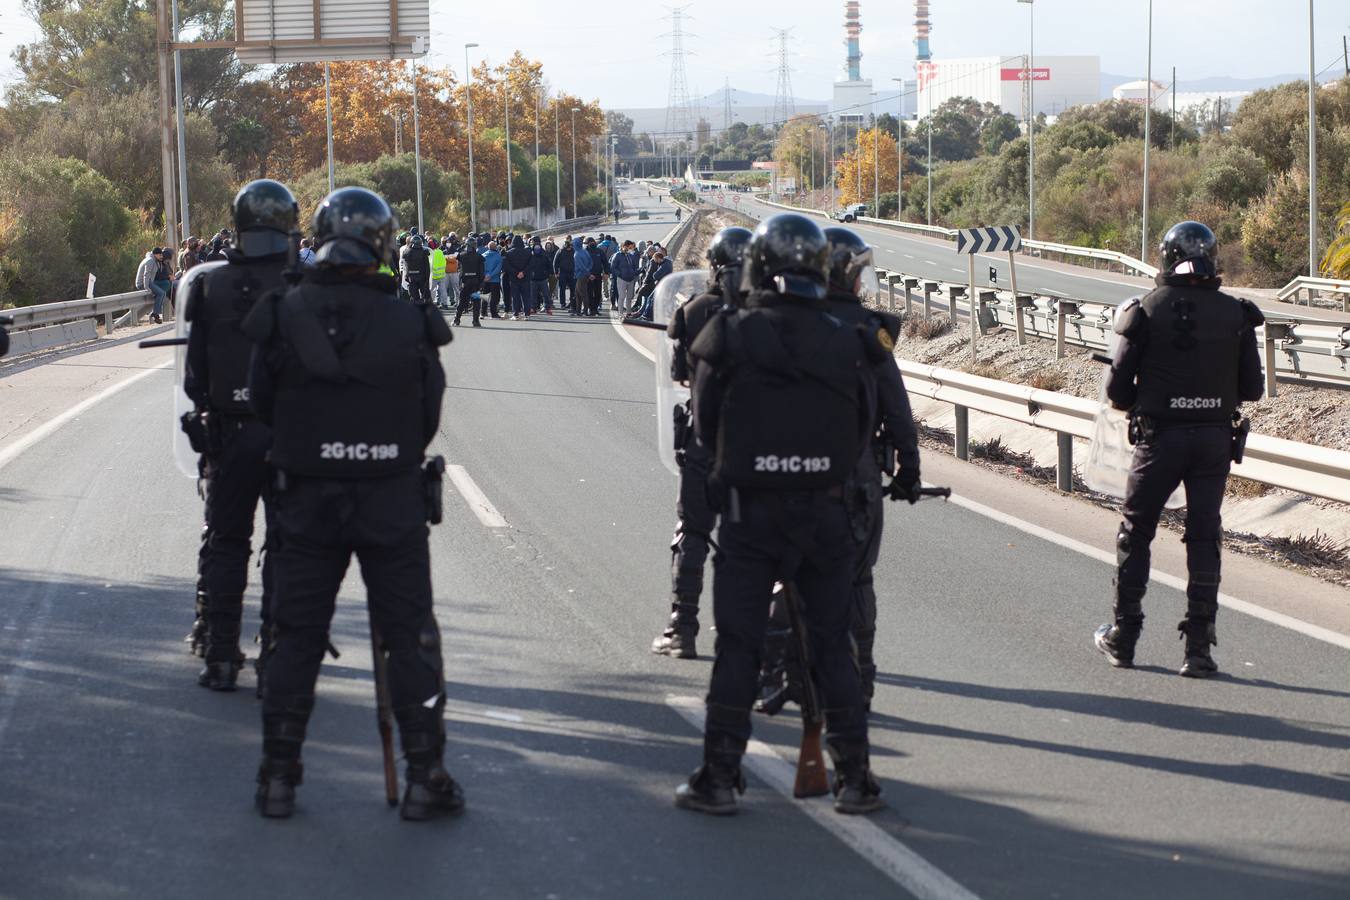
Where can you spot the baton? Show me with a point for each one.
(643, 323)
(1103, 359)
(162, 342)
(811, 779)
(384, 716)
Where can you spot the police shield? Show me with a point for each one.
(184, 457)
(1111, 454)
(674, 290)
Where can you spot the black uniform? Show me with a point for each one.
(216, 380)
(352, 384)
(1187, 357)
(783, 395)
(417, 267)
(696, 517)
(470, 282)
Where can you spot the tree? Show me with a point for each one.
(858, 170)
(1336, 263)
(621, 126)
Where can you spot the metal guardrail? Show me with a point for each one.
(1314, 287)
(115, 310)
(1294, 348)
(1303, 468)
(1129, 263)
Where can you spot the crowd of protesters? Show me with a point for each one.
(498, 276)
(509, 276)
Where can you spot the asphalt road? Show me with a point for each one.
(1016, 763)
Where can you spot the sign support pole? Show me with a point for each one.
(1017, 301)
(166, 125)
(974, 308)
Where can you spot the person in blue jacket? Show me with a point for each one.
(581, 269)
(492, 276)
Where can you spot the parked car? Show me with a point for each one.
(850, 213)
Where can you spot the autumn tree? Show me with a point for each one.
(869, 168)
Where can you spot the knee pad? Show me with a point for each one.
(1124, 546)
(429, 645)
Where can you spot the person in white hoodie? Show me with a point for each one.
(146, 276)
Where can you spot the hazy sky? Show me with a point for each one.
(615, 56)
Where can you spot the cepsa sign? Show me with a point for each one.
(1021, 74)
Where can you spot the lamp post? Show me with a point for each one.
(468, 92)
(510, 194)
(876, 161)
(181, 128)
(575, 110)
(900, 154)
(557, 154)
(538, 208)
(1148, 124)
(417, 150)
(1312, 148)
(1031, 122)
(328, 115)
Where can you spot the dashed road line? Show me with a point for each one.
(473, 495)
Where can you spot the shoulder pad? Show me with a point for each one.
(877, 343)
(1255, 317)
(711, 343)
(261, 321)
(890, 323)
(437, 331)
(1130, 318)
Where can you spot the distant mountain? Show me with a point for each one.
(749, 98)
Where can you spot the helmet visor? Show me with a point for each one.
(868, 285)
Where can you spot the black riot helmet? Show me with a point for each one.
(265, 214)
(353, 227)
(728, 248)
(1190, 248)
(787, 253)
(852, 270)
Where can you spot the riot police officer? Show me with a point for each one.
(782, 392)
(235, 461)
(4, 335)
(351, 381)
(695, 518)
(852, 285)
(1186, 358)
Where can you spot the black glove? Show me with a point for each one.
(905, 486)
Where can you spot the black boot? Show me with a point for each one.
(221, 676)
(1199, 636)
(678, 638)
(1117, 640)
(277, 778)
(856, 792)
(713, 787)
(431, 793)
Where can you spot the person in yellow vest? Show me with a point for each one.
(438, 265)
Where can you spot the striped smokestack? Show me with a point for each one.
(852, 29)
(922, 27)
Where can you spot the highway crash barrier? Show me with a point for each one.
(1312, 288)
(1300, 349)
(1302, 468)
(54, 324)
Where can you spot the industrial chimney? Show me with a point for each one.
(922, 28)
(852, 29)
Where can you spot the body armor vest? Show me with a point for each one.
(791, 411)
(1189, 368)
(227, 295)
(349, 399)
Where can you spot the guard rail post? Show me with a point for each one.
(108, 323)
(962, 432)
(929, 287)
(954, 293)
(1274, 331)
(1021, 303)
(910, 285)
(884, 277)
(1064, 468)
(1063, 309)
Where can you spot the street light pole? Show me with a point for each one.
(1148, 123)
(575, 213)
(1031, 122)
(557, 154)
(538, 208)
(900, 155)
(468, 92)
(510, 194)
(876, 161)
(930, 145)
(417, 150)
(181, 114)
(328, 114)
(1313, 258)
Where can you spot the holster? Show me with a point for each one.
(193, 423)
(683, 431)
(433, 480)
(1242, 427)
(1142, 429)
(860, 497)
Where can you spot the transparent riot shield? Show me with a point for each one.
(674, 290)
(184, 457)
(1110, 454)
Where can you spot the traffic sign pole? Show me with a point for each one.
(974, 303)
(1017, 305)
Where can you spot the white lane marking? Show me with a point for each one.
(502, 717)
(1307, 629)
(631, 341)
(473, 495)
(1257, 612)
(930, 262)
(8, 454)
(896, 861)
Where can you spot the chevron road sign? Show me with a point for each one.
(988, 240)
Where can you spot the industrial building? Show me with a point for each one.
(1059, 82)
